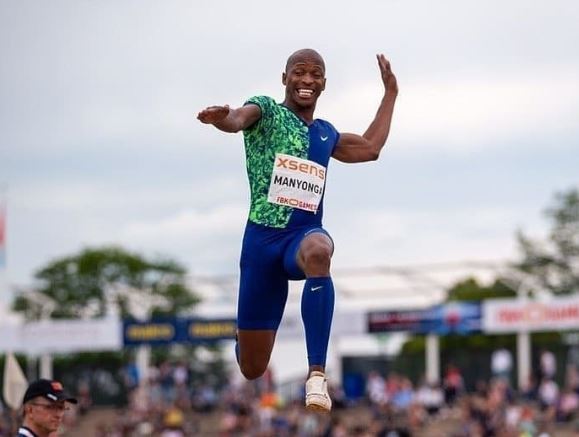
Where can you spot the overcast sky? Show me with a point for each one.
(99, 143)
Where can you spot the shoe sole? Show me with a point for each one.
(318, 405)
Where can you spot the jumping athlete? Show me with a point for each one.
(287, 154)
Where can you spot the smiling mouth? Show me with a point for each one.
(305, 93)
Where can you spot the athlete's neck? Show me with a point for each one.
(306, 114)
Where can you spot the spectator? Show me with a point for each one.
(43, 406)
(173, 423)
(502, 363)
(453, 384)
(376, 388)
(568, 405)
(430, 397)
(548, 364)
(404, 396)
(572, 368)
(548, 398)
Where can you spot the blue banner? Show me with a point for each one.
(211, 330)
(154, 332)
(178, 330)
(451, 318)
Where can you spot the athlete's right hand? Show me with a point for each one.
(213, 114)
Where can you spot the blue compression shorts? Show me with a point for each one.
(268, 261)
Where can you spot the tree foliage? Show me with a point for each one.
(108, 280)
(470, 290)
(554, 264)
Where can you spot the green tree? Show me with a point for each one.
(470, 290)
(554, 264)
(108, 280)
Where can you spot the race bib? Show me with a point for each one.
(296, 182)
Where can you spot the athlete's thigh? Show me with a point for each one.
(262, 297)
(291, 261)
(263, 286)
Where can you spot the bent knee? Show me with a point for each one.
(317, 257)
(255, 348)
(319, 254)
(252, 370)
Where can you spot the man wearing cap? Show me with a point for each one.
(43, 407)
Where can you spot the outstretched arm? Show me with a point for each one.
(367, 147)
(230, 120)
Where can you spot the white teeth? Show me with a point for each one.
(305, 93)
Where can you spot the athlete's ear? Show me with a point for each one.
(324, 85)
(284, 78)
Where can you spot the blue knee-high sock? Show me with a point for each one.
(317, 312)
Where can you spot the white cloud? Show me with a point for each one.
(399, 237)
(187, 225)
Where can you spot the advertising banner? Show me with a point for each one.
(210, 330)
(452, 318)
(154, 332)
(513, 315)
(177, 330)
(62, 336)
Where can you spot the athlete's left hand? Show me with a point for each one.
(388, 78)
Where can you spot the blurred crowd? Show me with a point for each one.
(169, 404)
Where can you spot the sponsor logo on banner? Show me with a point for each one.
(149, 332)
(296, 182)
(178, 330)
(200, 330)
(511, 315)
(396, 321)
(451, 318)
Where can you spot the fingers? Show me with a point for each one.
(388, 77)
(383, 63)
(213, 113)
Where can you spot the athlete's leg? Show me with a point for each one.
(254, 351)
(312, 255)
(309, 256)
(263, 291)
(262, 298)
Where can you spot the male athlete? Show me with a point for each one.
(287, 154)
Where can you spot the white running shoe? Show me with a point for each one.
(317, 397)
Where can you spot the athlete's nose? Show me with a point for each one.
(307, 79)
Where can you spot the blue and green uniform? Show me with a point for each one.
(274, 231)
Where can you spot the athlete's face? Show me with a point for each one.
(304, 79)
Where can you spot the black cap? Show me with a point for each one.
(51, 390)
